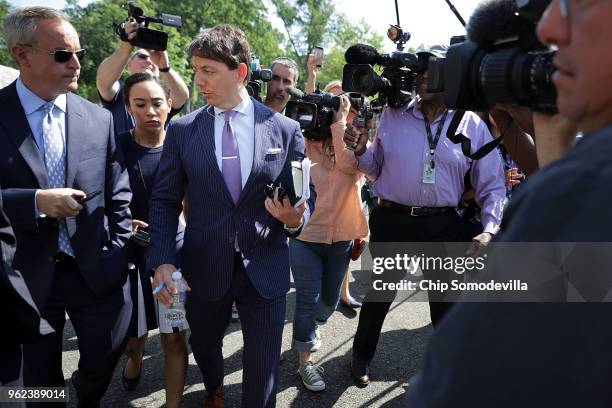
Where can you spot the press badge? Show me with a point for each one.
(429, 173)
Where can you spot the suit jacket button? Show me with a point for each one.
(231, 240)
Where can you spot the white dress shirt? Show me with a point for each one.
(243, 125)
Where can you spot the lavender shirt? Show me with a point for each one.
(396, 157)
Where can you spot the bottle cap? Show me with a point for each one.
(176, 275)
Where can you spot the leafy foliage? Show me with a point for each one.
(5, 56)
(307, 23)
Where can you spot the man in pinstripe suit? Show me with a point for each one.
(235, 249)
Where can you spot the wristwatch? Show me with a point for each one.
(292, 230)
(167, 69)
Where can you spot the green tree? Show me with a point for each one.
(309, 23)
(5, 55)
(94, 23)
(341, 35)
(306, 25)
(248, 15)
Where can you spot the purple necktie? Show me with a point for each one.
(230, 158)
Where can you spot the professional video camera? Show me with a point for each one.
(146, 37)
(259, 75)
(501, 63)
(313, 112)
(399, 70)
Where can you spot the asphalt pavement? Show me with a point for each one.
(402, 344)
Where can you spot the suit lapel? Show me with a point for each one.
(206, 134)
(14, 121)
(262, 142)
(76, 133)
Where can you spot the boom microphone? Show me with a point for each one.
(362, 54)
(366, 54)
(498, 20)
(324, 99)
(296, 93)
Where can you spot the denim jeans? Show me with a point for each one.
(318, 270)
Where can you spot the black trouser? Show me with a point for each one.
(391, 225)
(93, 318)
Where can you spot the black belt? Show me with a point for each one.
(414, 211)
(62, 257)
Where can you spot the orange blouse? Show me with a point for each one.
(338, 215)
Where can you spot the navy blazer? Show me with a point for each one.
(20, 315)
(99, 232)
(188, 164)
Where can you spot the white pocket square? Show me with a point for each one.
(274, 150)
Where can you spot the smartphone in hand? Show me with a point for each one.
(318, 53)
(88, 196)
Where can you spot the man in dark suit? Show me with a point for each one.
(20, 315)
(223, 155)
(546, 354)
(55, 149)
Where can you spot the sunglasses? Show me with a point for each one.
(61, 56)
(143, 57)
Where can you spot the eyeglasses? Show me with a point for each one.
(61, 56)
(143, 57)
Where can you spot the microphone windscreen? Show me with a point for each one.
(495, 20)
(294, 92)
(361, 54)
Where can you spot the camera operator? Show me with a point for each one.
(522, 355)
(346, 300)
(157, 63)
(555, 135)
(285, 73)
(419, 177)
(320, 255)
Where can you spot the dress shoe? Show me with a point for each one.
(213, 400)
(360, 371)
(130, 384)
(351, 304)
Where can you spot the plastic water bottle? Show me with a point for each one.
(175, 313)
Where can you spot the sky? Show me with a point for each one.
(429, 21)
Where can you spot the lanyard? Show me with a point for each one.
(433, 143)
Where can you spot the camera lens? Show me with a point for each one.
(302, 113)
(362, 80)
